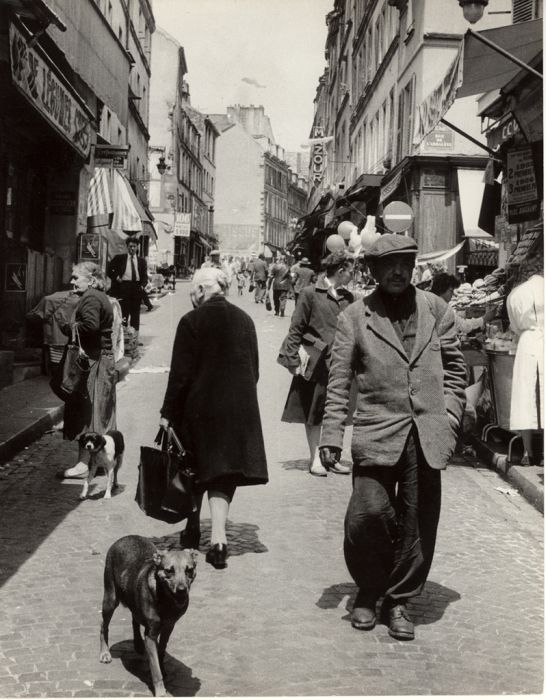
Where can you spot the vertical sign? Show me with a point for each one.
(522, 192)
(317, 158)
(182, 224)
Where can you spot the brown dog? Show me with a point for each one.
(155, 586)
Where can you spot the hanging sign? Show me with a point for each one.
(182, 224)
(398, 216)
(437, 103)
(40, 81)
(111, 157)
(521, 186)
(318, 156)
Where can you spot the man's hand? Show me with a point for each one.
(329, 456)
(164, 423)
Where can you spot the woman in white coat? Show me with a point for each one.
(525, 306)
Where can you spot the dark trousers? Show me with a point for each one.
(279, 300)
(130, 300)
(391, 524)
(259, 292)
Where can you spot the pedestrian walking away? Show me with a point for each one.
(211, 402)
(94, 410)
(302, 275)
(279, 281)
(401, 345)
(315, 316)
(259, 277)
(129, 276)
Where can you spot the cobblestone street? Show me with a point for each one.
(276, 621)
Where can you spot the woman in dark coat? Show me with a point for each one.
(96, 409)
(211, 402)
(316, 314)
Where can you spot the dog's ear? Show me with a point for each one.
(82, 439)
(158, 558)
(194, 554)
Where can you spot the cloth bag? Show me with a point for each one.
(311, 352)
(165, 489)
(70, 377)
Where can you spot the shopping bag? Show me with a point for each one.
(165, 481)
(268, 306)
(251, 287)
(69, 378)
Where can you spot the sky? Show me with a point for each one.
(260, 52)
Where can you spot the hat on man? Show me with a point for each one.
(305, 261)
(214, 252)
(391, 244)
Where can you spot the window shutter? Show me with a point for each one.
(522, 10)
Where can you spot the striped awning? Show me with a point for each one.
(99, 200)
(126, 217)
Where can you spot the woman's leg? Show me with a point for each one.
(219, 509)
(82, 465)
(528, 455)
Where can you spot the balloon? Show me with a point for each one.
(344, 229)
(335, 243)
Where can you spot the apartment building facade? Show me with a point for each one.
(66, 75)
(383, 58)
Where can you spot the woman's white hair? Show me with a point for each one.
(93, 273)
(209, 277)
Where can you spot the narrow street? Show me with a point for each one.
(276, 621)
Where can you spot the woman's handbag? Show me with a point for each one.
(268, 306)
(70, 377)
(251, 287)
(165, 480)
(311, 352)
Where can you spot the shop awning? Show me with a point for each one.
(479, 68)
(99, 200)
(126, 216)
(439, 255)
(471, 186)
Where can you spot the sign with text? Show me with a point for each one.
(521, 186)
(437, 103)
(111, 157)
(318, 156)
(182, 224)
(62, 203)
(440, 139)
(38, 79)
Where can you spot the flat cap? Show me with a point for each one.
(214, 252)
(391, 244)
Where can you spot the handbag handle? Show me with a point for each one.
(167, 440)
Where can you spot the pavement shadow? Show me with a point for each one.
(425, 609)
(242, 539)
(179, 680)
(301, 465)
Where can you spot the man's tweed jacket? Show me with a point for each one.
(394, 390)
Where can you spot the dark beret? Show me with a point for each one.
(391, 244)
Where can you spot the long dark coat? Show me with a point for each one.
(316, 313)
(211, 396)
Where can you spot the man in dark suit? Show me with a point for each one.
(129, 275)
(401, 346)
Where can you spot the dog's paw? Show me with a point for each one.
(107, 494)
(83, 496)
(105, 657)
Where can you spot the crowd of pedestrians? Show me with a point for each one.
(388, 362)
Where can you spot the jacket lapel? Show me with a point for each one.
(380, 324)
(425, 325)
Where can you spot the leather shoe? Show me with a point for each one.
(189, 538)
(363, 613)
(400, 624)
(217, 556)
(338, 468)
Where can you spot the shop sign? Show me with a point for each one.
(90, 244)
(111, 157)
(16, 277)
(37, 78)
(433, 108)
(182, 224)
(390, 187)
(522, 192)
(502, 133)
(199, 216)
(441, 139)
(62, 203)
(318, 156)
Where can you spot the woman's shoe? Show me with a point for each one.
(190, 537)
(217, 556)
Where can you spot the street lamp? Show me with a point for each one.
(473, 9)
(162, 166)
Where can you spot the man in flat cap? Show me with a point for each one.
(400, 345)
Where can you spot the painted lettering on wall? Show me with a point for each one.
(40, 82)
(317, 158)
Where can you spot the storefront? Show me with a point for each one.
(46, 135)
